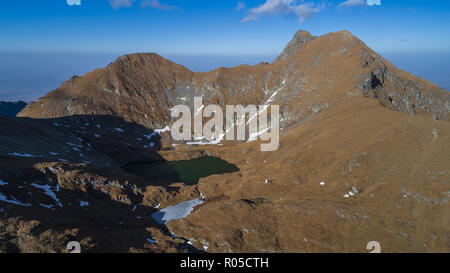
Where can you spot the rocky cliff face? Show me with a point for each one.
(363, 156)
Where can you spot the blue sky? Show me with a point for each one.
(43, 43)
(217, 27)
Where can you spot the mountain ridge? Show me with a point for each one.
(161, 82)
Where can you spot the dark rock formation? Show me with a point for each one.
(11, 109)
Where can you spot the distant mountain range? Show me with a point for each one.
(11, 109)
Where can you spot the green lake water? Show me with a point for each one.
(186, 171)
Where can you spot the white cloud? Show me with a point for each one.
(155, 4)
(303, 10)
(117, 4)
(241, 6)
(351, 3)
(73, 2)
(374, 2)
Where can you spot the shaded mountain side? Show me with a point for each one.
(312, 74)
(11, 109)
(98, 140)
(61, 181)
(47, 201)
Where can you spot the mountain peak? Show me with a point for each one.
(301, 38)
(139, 57)
(301, 33)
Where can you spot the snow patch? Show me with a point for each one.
(74, 145)
(353, 192)
(176, 212)
(212, 142)
(46, 206)
(255, 136)
(157, 132)
(199, 110)
(151, 145)
(21, 155)
(160, 131)
(48, 191)
(13, 201)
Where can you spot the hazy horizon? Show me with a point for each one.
(27, 76)
(204, 35)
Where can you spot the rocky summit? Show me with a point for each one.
(363, 156)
